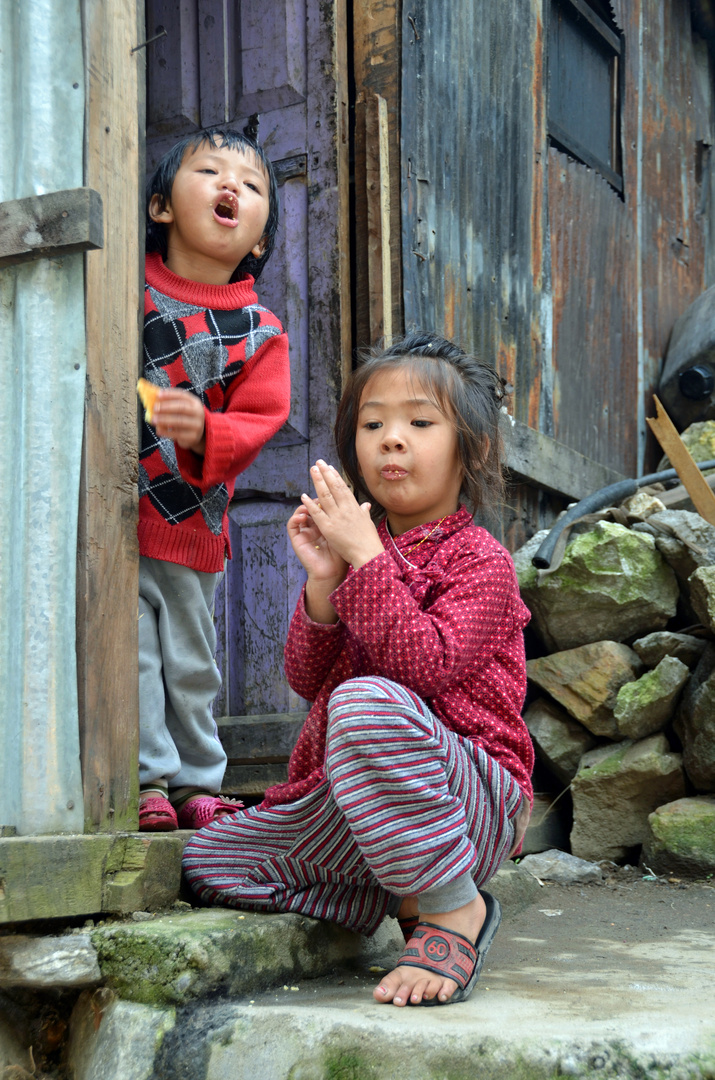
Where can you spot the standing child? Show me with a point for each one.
(220, 361)
(410, 782)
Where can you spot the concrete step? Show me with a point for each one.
(610, 979)
(549, 1004)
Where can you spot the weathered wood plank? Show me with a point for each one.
(264, 738)
(681, 459)
(550, 464)
(107, 549)
(379, 238)
(58, 223)
(48, 877)
(252, 780)
(377, 48)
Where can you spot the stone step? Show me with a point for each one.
(551, 1002)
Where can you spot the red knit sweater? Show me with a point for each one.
(218, 342)
(451, 630)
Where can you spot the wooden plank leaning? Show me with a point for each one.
(692, 479)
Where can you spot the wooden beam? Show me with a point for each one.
(263, 738)
(549, 464)
(58, 223)
(682, 461)
(377, 50)
(107, 576)
(379, 241)
(50, 877)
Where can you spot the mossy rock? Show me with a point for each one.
(681, 837)
(612, 583)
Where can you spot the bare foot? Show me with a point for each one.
(414, 984)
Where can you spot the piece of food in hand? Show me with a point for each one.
(148, 394)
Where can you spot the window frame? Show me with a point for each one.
(563, 139)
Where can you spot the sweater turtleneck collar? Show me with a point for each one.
(237, 294)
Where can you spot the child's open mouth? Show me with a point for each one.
(226, 210)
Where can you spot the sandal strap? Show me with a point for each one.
(409, 925)
(443, 952)
(202, 810)
(157, 813)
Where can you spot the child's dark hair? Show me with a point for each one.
(162, 180)
(463, 388)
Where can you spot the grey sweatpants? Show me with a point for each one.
(178, 678)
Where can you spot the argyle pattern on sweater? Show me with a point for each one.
(206, 347)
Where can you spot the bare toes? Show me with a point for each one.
(421, 991)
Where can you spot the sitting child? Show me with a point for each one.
(220, 360)
(410, 782)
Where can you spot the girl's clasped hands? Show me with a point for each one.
(332, 531)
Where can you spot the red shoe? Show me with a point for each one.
(156, 814)
(200, 810)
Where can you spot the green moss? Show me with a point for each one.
(612, 561)
(608, 766)
(348, 1065)
(688, 831)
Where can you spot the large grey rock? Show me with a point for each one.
(560, 741)
(684, 647)
(695, 723)
(615, 790)
(702, 595)
(514, 888)
(586, 681)
(48, 961)
(612, 584)
(681, 838)
(685, 540)
(559, 866)
(646, 705)
(177, 958)
(115, 1040)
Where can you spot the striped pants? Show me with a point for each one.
(406, 807)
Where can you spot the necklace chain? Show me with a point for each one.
(419, 542)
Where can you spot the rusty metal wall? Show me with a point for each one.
(532, 258)
(471, 183)
(42, 337)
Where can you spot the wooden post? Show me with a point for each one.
(690, 476)
(107, 571)
(377, 35)
(379, 247)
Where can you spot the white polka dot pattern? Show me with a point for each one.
(450, 628)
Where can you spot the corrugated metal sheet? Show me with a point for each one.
(532, 258)
(41, 417)
(472, 247)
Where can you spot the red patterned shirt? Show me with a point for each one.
(450, 629)
(218, 342)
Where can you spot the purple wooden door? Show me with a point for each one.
(222, 62)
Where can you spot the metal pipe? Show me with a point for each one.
(607, 496)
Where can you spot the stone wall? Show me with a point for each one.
(621, 704)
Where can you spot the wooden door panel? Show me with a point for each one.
(219, 63)
(222, 63)
(273, 73)
(253, 610)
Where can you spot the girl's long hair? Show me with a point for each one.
(465, 389)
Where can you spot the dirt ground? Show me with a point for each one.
(625, 906)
